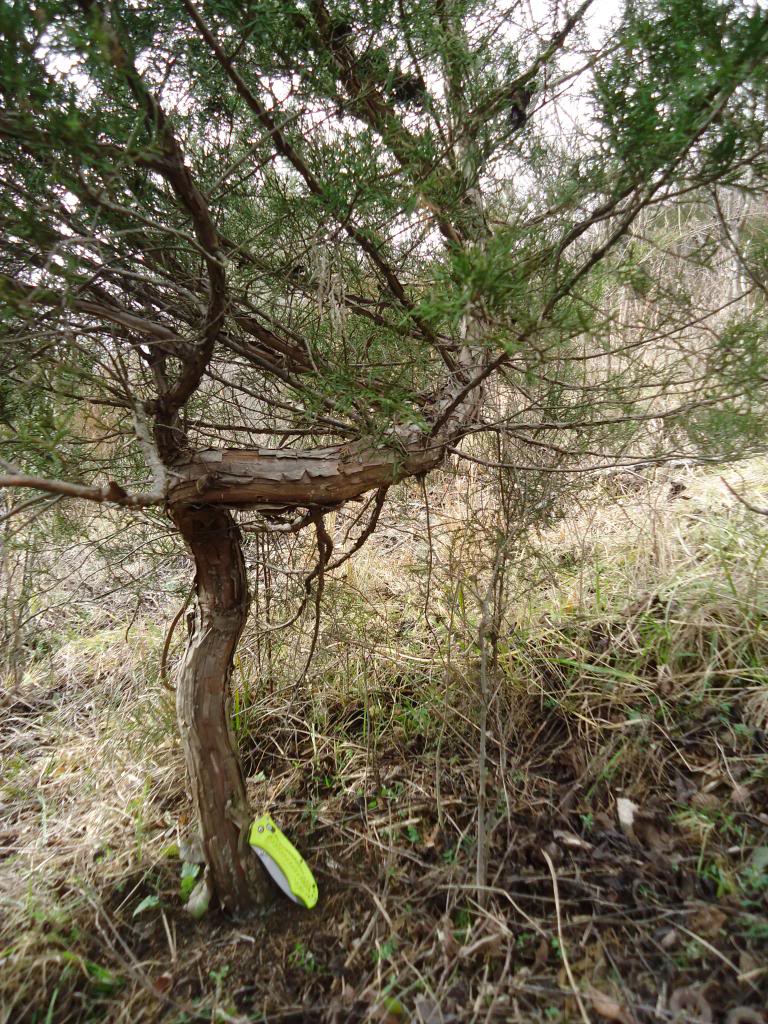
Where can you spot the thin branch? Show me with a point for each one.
(563, 953)
(676, 460)
(324, 552)
(381, 494)
(25, 506)
(100, 310)
(111, 492)
(163, 671)
(743, 501)
(363, 237)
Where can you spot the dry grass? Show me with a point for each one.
(630, 666)
(91, 785)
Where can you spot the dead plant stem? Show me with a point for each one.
(564, 954)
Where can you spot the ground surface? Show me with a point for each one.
(627, 811)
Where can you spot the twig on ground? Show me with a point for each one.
(564, 954)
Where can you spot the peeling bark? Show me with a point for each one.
(246, 477)
(203, 706)
(238, 478)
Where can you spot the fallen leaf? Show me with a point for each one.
(163, 982)
(652, 838)
(707, 922)
(428, 1012)
(706, 801)
(744, 1015)
(429, 840)
(447, 938)
(487, 944)
(555, 854)
(747, 963)
(572, 840)
(542, 953)
(191, 850)
(740, 795)
(608, 1008)
(625, 811)
(684, 788)
(689, 1004)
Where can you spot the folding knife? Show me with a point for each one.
(283, 861)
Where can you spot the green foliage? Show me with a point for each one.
(100, 978)
(479, 216)
(678, 64)
(303, 959)
(189, 876)
(148, 903)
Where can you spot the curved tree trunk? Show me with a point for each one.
(203, 706)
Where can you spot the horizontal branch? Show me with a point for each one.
(280, 477)
(111, 492)
(36, 295)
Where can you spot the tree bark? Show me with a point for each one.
(246, 477)
(203, 706)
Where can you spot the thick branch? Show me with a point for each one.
(289, 478)
(279, 477)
